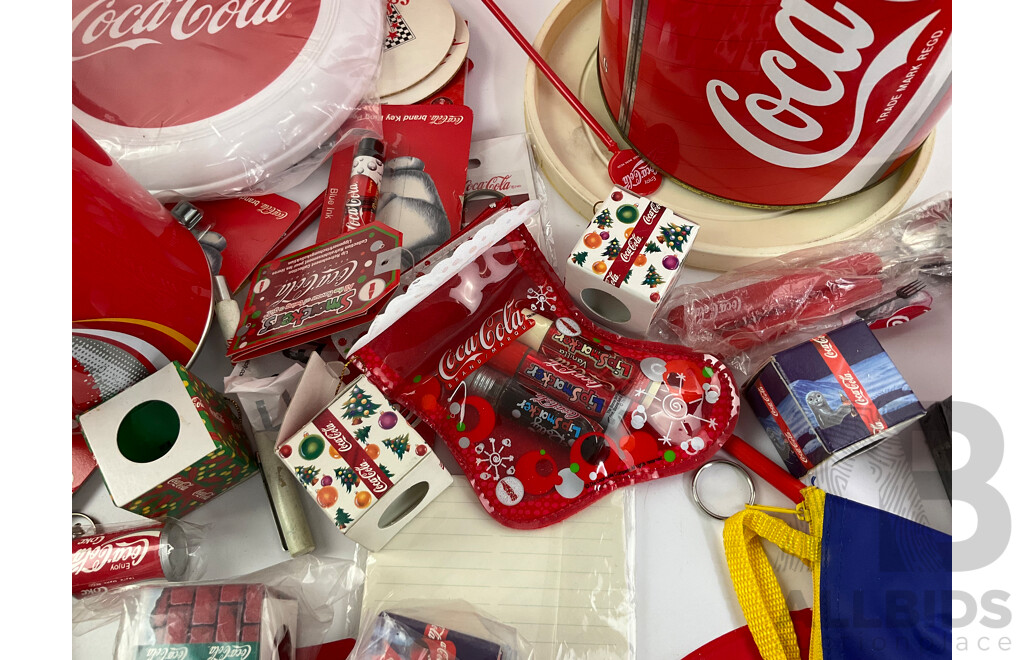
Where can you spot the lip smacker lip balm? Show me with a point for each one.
(547, 337)
(534, 409)
(553, 375)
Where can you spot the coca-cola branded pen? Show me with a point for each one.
(364, 183)
(562, 340)
(535, 410)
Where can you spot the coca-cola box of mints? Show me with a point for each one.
(831, 397)
(366, 467)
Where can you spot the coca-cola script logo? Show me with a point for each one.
(852, 386)
(150, 63)
(500, 182)
(167, 653)
(370, 477)
(115, 554)
(229, 651)
(827, 349)
(496, 332)
(805, 28)
(337, 437)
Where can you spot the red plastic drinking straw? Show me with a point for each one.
(786, 483)
(584, 114)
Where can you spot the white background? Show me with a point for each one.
(676, 612)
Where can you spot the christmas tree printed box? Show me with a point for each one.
(168, 444)
(626, 260)
(365, 466)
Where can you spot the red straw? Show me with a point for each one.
(584, 114)
(786, 483)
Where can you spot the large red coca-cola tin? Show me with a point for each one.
(142, 293)
(780, 102)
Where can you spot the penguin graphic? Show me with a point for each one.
(826, 416)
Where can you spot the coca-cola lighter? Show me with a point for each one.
(364, 184)
(103, 561)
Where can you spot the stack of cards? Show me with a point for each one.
(425, 52)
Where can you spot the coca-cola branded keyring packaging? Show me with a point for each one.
(820, 100)
(544, 411)
(213, 98)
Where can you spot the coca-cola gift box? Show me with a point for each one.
(168, 444)
(366, 467)
(626, 260)
(251, 621)
(831, 397)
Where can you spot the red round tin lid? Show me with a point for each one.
(198, 96)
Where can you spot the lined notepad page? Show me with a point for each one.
(567, 588)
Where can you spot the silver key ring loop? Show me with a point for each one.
(694, 490)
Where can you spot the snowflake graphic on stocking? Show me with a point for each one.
(541, 296)
(685, 416)
(495, 458)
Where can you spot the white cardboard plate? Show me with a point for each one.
(731, 235)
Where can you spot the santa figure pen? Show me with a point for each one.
(363, 188)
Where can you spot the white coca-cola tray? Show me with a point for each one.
(195, 99)
(731, 235)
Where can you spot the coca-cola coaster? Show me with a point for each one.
(419, 34)
(440, 76)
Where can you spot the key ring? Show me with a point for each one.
(696, 495)
(85, 527)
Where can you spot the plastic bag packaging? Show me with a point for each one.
(544, 411)
(263, 399)
(501, 168)
(452, 629)
(286, 606)
(248, 99)
(569, 589)
(540, 231)
(886, 276)
(116, 555)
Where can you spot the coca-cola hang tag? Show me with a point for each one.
(629, 170)
(210, 96)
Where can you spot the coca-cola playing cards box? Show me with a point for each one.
(365, 466)
(831, 397)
